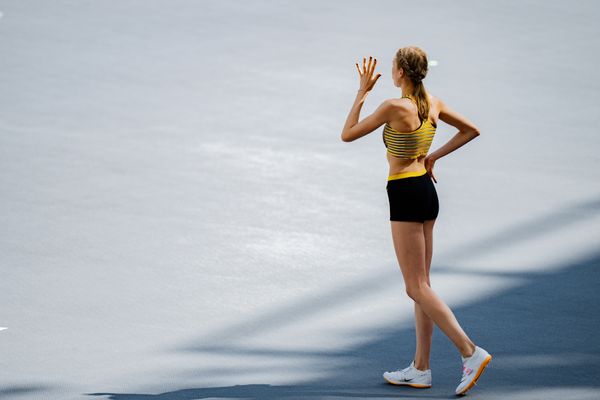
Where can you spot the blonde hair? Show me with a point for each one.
(413, 60)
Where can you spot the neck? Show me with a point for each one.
(408, 89)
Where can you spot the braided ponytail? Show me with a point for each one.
(414, 62)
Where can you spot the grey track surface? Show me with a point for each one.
(180, 219)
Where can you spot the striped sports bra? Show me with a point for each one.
(409, 144)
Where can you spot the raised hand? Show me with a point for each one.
(367, 81)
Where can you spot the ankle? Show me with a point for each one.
(468, 352)
(422, 367)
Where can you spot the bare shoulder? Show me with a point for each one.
(454, 118)
(401, 105)
(387, 108)
(434, 101)
(404, 104)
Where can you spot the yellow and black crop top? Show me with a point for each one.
(409, 144)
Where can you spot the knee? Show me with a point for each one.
(417, 290)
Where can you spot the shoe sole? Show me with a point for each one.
(477, 375)
(415, 385)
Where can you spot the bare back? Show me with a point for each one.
(407, 120)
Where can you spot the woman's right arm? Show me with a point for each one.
(467, 131)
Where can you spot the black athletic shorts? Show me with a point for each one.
(412, 196)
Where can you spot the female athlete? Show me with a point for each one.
(410, 125)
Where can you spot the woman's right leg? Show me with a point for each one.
(409, 245)
(424, 324)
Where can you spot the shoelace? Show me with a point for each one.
(404, 370)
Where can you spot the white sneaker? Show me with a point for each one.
(409, 376)
(473, 368)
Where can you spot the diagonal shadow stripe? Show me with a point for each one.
(301, 309)
(536, 330)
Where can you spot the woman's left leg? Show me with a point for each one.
(409, 244)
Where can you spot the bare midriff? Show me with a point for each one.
(398, 165)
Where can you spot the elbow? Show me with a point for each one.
(345, 138)
(475, 132)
